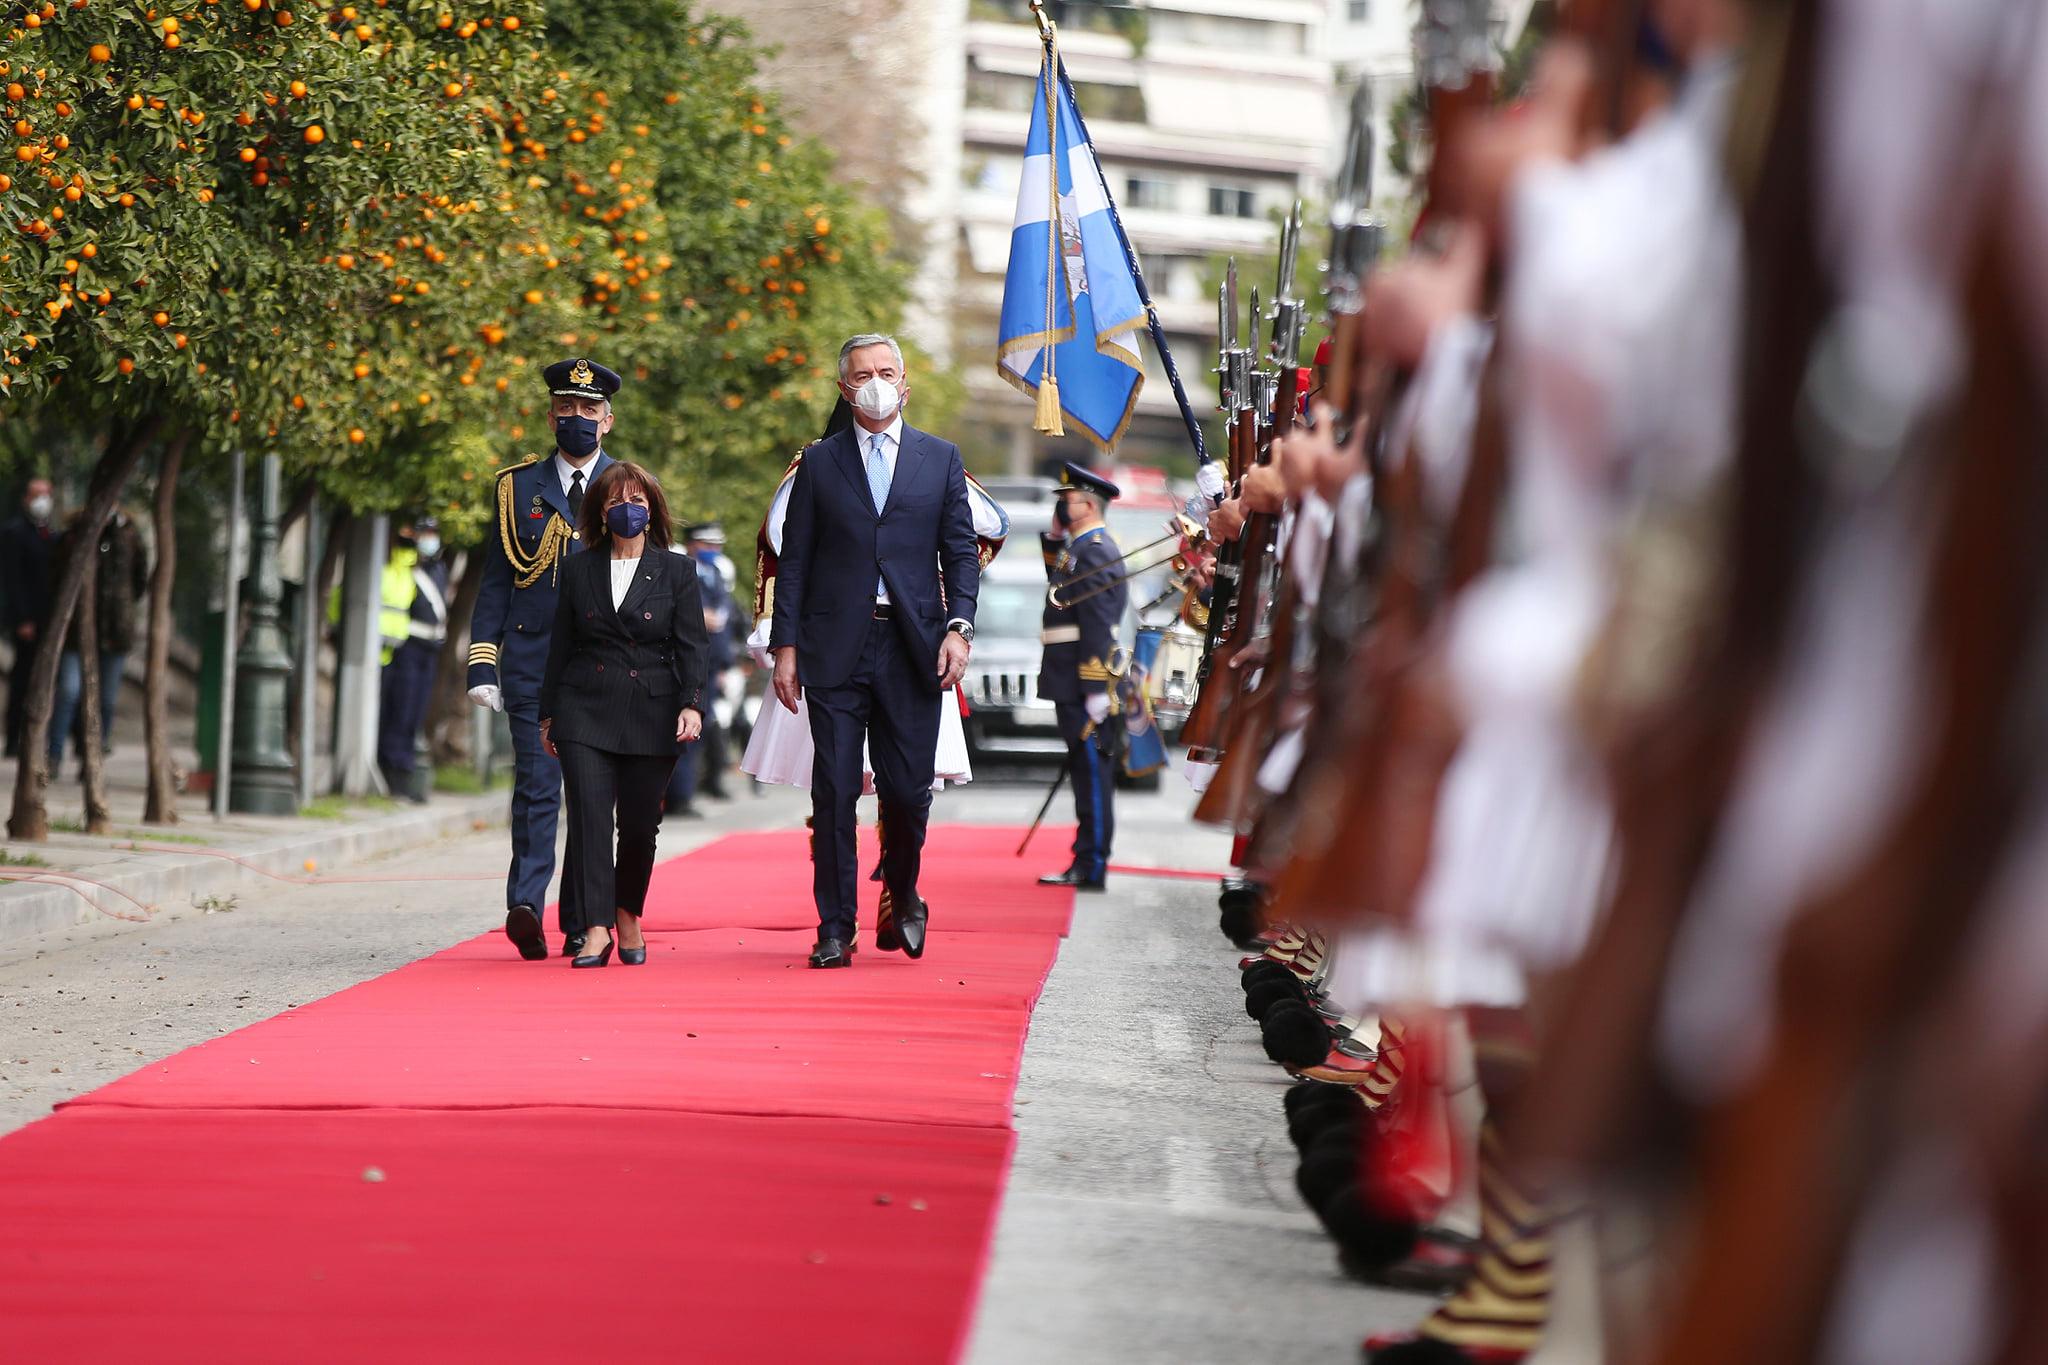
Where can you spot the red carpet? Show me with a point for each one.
(781, 1164)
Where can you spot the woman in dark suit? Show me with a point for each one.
(626, 662)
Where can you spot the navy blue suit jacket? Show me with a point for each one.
(511, 622)
(834, 543)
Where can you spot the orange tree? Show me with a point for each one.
(183, 188)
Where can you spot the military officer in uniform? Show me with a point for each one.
(538, 506)
(1084, 567)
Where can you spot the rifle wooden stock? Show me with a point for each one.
(1202, 731)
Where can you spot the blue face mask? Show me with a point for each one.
(576, 436)
(625, 520)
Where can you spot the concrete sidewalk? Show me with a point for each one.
(142, 874)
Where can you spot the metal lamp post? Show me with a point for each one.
(264, 782)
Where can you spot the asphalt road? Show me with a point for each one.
(1150, 1213)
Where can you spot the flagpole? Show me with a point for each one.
(1180, 395)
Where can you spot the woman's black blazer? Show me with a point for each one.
(617, 679)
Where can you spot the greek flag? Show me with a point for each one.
(1071, 301)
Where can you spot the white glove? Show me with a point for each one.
(488, 696)
(1098, 707)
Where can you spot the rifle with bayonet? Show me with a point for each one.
(1236, 398)
(1250, 721)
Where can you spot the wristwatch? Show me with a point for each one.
(963, 629)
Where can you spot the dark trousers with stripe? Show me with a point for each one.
(406, 686)
(1094, 784)
(536, 805)
(607, 791)
(888, 702)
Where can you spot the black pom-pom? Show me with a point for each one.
(1239, 922)
(1310, 1124)
(1369, 1239)
(1421, 1351)
(1326, 1168)
(1265, 969)
(1314, 1094)
(1268, 995)
(1294, 1035)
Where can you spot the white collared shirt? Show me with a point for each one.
(566, 472)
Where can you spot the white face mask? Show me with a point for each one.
(40, 508)
(878, 399)
(429, 546)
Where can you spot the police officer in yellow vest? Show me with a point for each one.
(413, 621)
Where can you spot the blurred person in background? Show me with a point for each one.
(119, 582)
(27, 542)
(414, 623)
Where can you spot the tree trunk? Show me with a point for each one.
(92, 761)
(30, 818)
(330, 558)
(160, 804)
(301, 503)
(447, 721)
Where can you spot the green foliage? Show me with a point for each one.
(488, 190)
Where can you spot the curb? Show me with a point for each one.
(168, 882)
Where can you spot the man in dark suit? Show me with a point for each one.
(874, 618)
(539, 507)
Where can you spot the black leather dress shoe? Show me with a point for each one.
(910, 929)
(831, 952)
(1073, 877)
(522, 926)
(572, 944)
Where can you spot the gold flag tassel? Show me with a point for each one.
(1048, 419)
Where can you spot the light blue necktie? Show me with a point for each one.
(878, 486)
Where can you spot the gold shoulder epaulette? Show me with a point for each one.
(515, 468)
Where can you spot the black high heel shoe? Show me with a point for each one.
(632, 957)
(598, 960)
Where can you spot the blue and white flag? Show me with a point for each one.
(1071, 300)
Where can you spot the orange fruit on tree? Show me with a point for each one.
(206, 196)
(125, 366)
(316, 135)
(345, 261)
(452, 89)
(100, 52)
(171, 40)
(356, 436)
(178, 340)
(284, 18)
(362, 371)
(22, 127)
(106, 297)
(511, 24)
(15, 92)
(33, 21)
(261, 178)
(171, 25)
(248, 153)
(299, 401)
(135, 101)
(6, 183)
(160, 318)
(298, 89)
(363, 32)
(127, 201)
(252, 5)
(73, 193)
(24, 154)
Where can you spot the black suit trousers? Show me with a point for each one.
(890, 703)
(598, 784)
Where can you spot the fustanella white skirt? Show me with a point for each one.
(780, 750)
